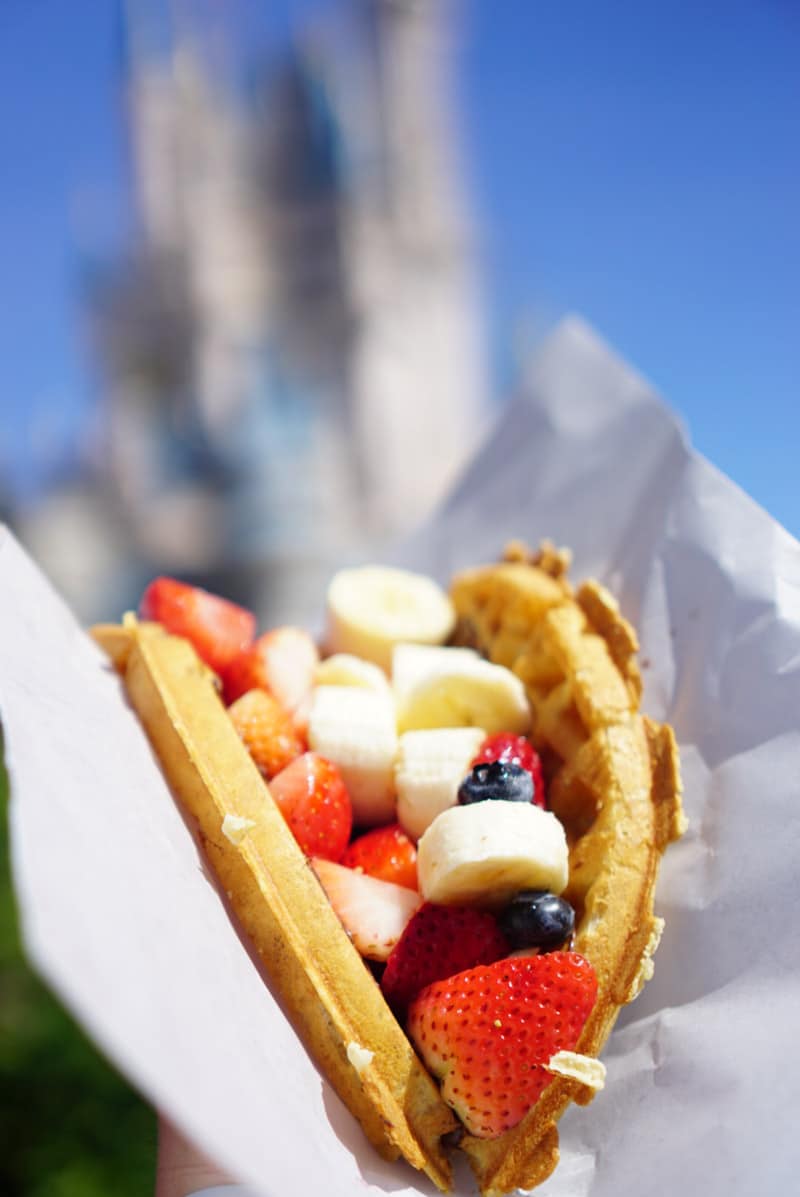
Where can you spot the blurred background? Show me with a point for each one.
(270, 269)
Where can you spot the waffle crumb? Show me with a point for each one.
(359, 1056)
(586, 1069)
(646, 967)
(236, 827)
(549, 558)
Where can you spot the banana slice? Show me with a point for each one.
(355, 728)
(343, 669)
(412, 663)
(456, 688)
(373, 608)
(485, 853)
(430, 767)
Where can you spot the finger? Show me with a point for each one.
(181, 1168)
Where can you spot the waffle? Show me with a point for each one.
(613, 782)
(331, 998)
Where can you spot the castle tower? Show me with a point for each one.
(418, 372)
(293, 352)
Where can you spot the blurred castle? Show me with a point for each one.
(291, 358)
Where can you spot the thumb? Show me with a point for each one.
(182, 1169)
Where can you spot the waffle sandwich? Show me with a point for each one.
(613, 783)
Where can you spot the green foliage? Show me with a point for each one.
(69, 1125)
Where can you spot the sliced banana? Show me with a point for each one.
(482, 854)
(457, 688)
(373, 608)
(355, 728)
(412, 663)
(430, 767)
(343, 669)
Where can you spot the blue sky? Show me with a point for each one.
(635, 162)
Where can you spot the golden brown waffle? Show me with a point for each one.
(614, 783)
(327, 991)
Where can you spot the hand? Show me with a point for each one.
(180, 1168)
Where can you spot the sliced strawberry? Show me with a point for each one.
(387, 853)
(438, 942)
(218, 629)
(488, 1032)
(281, 661)
(314, 802)
(373, 913)
(267, 731)
(516, 750)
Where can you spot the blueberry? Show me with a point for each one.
(535, 918)
(495, 780)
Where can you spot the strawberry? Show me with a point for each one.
(387, 853)
(373, 913)
(314, 802)
(487, 1032)
(438, 942)
(516, 750)
(267, 731)
(282, 661)
(218, 629)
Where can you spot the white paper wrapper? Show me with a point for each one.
(121, 917)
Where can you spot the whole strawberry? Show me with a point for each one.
(438, 942)
(487, 1032)
(314, 802)
(514, 750)
(385, 852)
(217, 628)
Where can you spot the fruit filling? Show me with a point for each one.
(402, 768)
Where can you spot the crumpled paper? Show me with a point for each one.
(121, 917)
